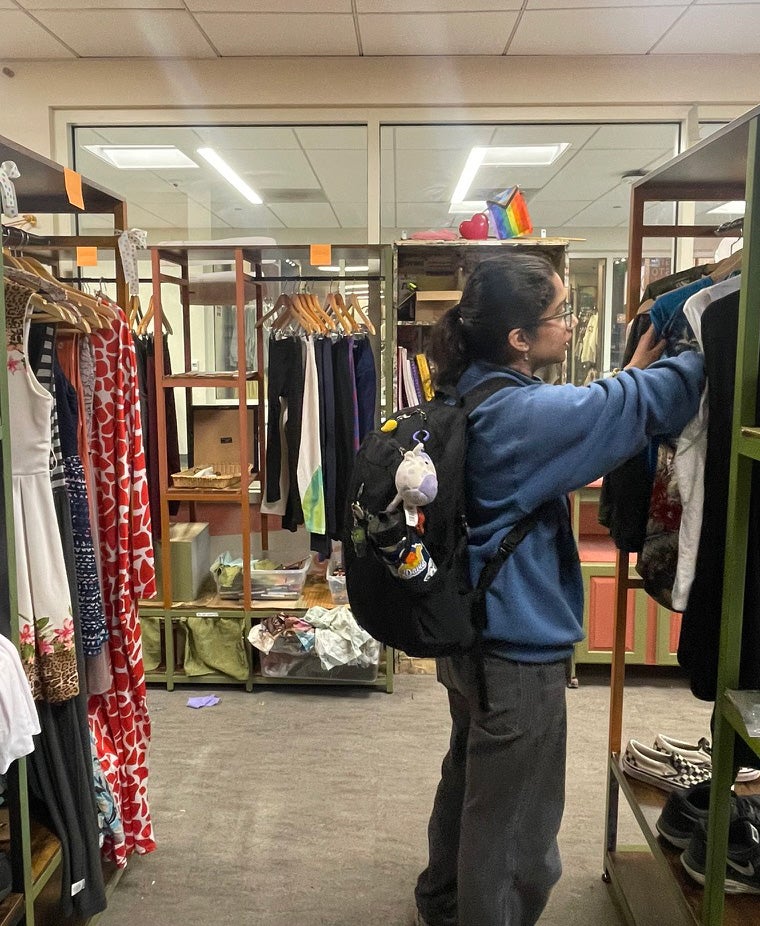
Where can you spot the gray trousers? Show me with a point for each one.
(493, 854)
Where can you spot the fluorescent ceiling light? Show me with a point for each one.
(735, 207)
(468, 207)
(230, 176)
(141, 157)
(510, 155)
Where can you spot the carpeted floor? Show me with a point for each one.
(308, 806)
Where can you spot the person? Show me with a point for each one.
(492, 836)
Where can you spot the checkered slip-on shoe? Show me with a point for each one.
(742, 860)
(666, 771)
(698, 754)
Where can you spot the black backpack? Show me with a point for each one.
(436, 611)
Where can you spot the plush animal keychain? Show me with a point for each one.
(416, 484)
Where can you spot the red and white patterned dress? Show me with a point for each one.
(119, 718)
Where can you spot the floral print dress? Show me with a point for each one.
(119, 718)
(44, 603)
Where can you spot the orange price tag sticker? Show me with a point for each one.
(320, 255)
(87, 257)
(73, 182)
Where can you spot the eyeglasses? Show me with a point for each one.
(568, 315)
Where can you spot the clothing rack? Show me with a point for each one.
(722, 167)
(36, 852)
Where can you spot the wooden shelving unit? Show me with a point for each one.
(171, 267)
(724, 167)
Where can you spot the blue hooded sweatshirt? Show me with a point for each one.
(531, 444)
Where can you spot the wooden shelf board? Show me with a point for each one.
(205, 495)
(11, 909)
(647, 802)
(46, 855)
(315, 592)
(222, 380)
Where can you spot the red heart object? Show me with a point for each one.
(475, 228)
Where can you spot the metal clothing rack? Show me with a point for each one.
(35, 851)
(726, 166)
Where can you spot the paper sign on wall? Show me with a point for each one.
(73, 182)
(87, 257)
(320, 255)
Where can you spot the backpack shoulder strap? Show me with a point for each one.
(484, 390)
(508, 545)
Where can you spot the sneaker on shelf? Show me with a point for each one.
(682, 812)
(667, 771)
(742, 860)
(699, 754)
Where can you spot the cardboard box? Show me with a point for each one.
(216, 435)
(190, 559)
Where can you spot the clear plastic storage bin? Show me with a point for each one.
(336, 584)
(307, 666)
(279, 583)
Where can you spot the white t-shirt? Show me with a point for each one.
(18, 714)
(689, 461)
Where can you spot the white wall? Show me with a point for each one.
(572, 85)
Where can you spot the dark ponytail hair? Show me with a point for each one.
(503, 293)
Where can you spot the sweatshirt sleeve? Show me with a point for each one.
(559, 438)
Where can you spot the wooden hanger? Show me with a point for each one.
(294, 311)
(724, 268)
(350, 325)
(282, 304)
(357, 310)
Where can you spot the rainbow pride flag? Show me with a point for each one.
(509, 214)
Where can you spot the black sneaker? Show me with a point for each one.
(742, 861)
(683, 810)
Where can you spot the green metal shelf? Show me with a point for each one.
(748, 443)
(731, 713)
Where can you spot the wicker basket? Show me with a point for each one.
(225, 476)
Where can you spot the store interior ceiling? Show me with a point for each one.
(312, 179)
(225, 28)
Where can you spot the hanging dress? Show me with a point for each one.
(45, 621)
(119, 718)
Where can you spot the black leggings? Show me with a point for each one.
(285, 382)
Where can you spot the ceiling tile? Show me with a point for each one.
(184, 138)
(245, 215)
(8, 5)
(306, 215)
(443, 136)
(423, 215)
(439, 34)
(581, 4)
(593, 173)
(650, 136)
(614, 32)
(269, 6)
(333, 137)
(278, 170)
(251, 34)
(659, 213)
(342, 174)
(576, 135)
(245, 137)
(133, 33)
(436, 6)
(22, 37)
(427, 176)
(352, 215)
(598, 215)
(388, 215)
(95, 4)
(734, 31)
(551, 214)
